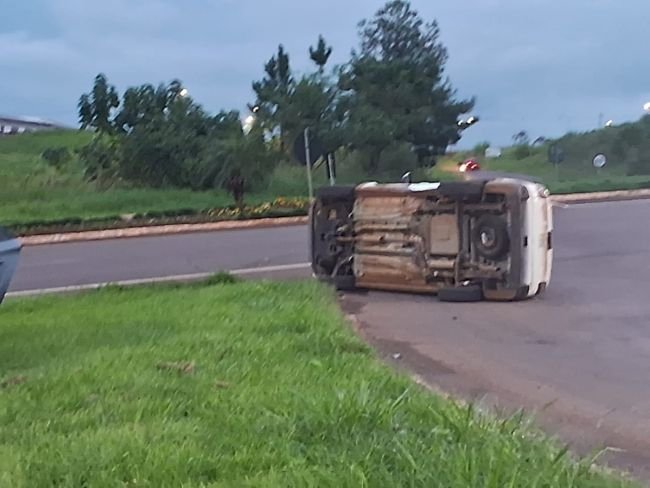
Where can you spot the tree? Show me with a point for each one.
(273, 91)
(522, 144)
(311, 104)
(161, 137)
(320, 54)
(157, 149)
(243, 155)
(96, 108)
(521, 138)
(395, 87)
(145, 103)
(287, 106)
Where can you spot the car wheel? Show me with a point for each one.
(344, 282)
(490, 237)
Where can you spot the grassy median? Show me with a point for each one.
(36, 196)
(234, 385)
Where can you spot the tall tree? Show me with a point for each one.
(273, 92)
(320, 54)
(521, 138)
(96, 108)
(395, 85)
(144, 104)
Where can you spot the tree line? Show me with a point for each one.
(392, 91)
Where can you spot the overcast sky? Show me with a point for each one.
(546, 66)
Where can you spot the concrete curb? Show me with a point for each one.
(603, 196)
(161, 230)
(289, 271)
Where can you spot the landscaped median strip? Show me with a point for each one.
(161, 230)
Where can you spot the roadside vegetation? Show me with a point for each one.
(237, 384)
(626, 147)
(37, 196)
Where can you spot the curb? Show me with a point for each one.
(603, 196)
(161, 230)
(173, 229)
(174, 279)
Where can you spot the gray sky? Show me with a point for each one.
(543, 66)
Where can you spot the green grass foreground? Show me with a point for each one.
(235, 385)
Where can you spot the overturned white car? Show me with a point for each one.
(9, 252)
(463, 240)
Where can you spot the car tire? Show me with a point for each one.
(344, 282)
(469, 293)
(498, 241)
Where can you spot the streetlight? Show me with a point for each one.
(609, 123)
(464, 124)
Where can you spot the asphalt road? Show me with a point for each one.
(580, 354)
(84, 263)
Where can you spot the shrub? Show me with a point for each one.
(57, 157)
(101, 159)
(522, 151)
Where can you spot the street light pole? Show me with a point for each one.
(308, 157)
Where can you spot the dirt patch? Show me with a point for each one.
(13, 381)
(186, 368)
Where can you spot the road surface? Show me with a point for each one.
(83, 263)
(581, 354)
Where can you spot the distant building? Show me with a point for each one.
(493, 152)
(19, 125)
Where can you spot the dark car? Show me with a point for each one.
(9, 252)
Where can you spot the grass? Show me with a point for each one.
(32, 192)
(235, 385)
(576, 176)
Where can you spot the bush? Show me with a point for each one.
(101, 160)
(57, 157)
(522, 151)
(638, 167)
